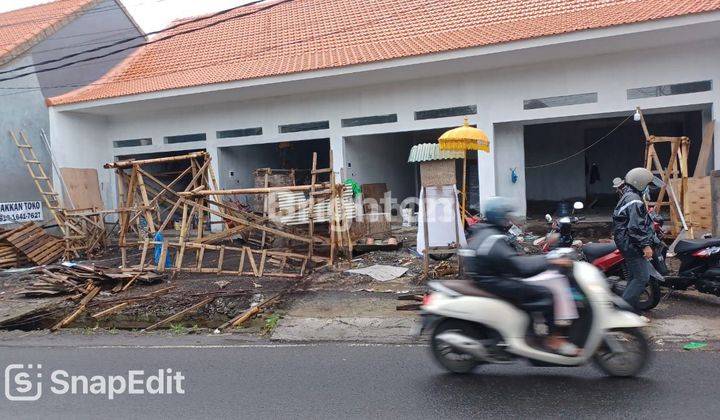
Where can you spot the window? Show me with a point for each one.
(132, 143)
(668, 90)
(294, 128)
(554, 101)
(446, 112)
(185, 138)
(376, 119)
(240, 132)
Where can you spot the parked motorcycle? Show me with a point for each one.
(608, 258)
(471, 327)
(699, 266)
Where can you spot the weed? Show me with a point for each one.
(271, 322)
(178, 329)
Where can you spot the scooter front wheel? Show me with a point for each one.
(623, 353)
(449, 358)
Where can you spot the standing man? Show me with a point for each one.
(633, 233)
(618, 185)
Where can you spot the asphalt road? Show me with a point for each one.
(358, 381)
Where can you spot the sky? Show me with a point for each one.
(151, 15)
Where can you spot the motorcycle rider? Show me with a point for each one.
(498, 269)
(633, 232)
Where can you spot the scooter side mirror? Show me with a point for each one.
(578, 205)
(548, 218)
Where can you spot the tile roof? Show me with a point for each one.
(302, 35)
(22, 28)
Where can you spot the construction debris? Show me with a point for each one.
(381, 272)
(183, 209)
(79, 279)
(30, 243)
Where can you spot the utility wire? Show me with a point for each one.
(142, 37)
(544, 165)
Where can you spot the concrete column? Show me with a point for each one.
(509, 145)
(486, 167)
(337, 144)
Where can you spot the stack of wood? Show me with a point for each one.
(10, 257)
(30, 244)
(80, 279)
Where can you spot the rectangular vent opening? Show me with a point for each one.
(240, 132)
(185, 138)
(669, 90)
(308, 126)
(132, 143)
(446, 112)
(375, 119)
(566, 100)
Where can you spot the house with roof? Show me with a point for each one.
(30, 37)
(554, 84)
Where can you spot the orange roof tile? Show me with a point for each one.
(22, 28)
(303, 35)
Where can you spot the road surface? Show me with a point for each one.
(338, 381)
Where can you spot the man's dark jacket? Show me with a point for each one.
(632, 226)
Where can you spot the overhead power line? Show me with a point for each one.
(226, 61)
(544, 165)
(142, 37)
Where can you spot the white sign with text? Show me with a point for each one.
(21, 212)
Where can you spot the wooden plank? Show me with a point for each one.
(83, 188)
(180, 314)
(702, 167)
(81, 307)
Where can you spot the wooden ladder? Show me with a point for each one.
(42, 181)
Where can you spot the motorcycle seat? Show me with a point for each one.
(466, 288)
(594, 251)
(686, 246)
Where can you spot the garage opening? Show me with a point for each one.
(556, 175)
(241, 166)
(383, 158)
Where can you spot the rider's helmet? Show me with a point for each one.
(639, 178)
(498, 210)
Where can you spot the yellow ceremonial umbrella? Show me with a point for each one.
(464, 138)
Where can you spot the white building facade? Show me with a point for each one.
(668, 66)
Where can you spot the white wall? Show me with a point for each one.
(382, 159)
(499, 95)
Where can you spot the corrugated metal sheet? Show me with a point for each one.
(431, 151)
(290, 202)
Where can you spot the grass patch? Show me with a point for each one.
(271, 322)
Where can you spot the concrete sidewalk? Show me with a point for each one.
(372, 317)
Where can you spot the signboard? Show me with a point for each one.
(21, 212)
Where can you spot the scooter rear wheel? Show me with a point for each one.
(445, 355)
(630, 361)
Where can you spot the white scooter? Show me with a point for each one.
(472, 327)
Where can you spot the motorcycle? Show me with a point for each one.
(471, 327)
(699, 266)
(608, 258)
